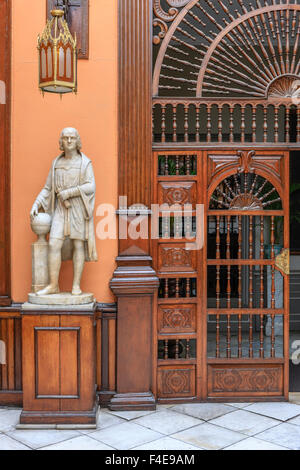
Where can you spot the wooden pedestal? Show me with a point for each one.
(58, 365)
(134, 287)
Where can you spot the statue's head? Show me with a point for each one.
(70, 131)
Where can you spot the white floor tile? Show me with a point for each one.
(252, 443)
(125, 436)
(295, 421)
(41, 438)
(238, 405)
(7, 443)
(78, 443)
(105, 420)
(129, 415)
(287, 435)
(245, 422)
(9, 419)
(167, 421)
(163, 407)
(209, 437)
(167, 443)
(205, 411)
(281, 411)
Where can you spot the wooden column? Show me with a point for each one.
(5, 52)
(134, 281)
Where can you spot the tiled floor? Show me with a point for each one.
(234, 426)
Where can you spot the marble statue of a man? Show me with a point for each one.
(69, 198)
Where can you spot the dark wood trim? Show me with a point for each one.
(104, 355)
(13, 308)
(104, 397)
(78, 22)
(5, 113)
(11, 398)
(59, 417)
(106, 311)
(135, 103)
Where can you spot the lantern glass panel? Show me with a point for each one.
(68, 63)
(61, 62)
(43, 62)
(49, 57)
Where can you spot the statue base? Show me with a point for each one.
(63, 298)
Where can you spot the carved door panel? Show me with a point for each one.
(247, 273)
(178, 330)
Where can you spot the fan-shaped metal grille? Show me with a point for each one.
(245, 192)
(223, 48)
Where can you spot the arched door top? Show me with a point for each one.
(226, 49)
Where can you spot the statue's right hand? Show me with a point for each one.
(34, 211)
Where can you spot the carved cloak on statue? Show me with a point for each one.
(86, 186)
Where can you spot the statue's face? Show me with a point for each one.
(69, 140)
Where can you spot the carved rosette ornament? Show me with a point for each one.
(176, 257)
(177, 196)
(176, 382)
(177, 319)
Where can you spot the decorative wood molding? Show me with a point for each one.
(5, 110)
(250, 379)
(176, 381)
(78, 21)
(135, 122)
(174, 257)
(177, 193)
(177, 318)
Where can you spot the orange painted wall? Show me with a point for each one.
(36, 125)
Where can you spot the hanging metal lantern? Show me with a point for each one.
(57, 56)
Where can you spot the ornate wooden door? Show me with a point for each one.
(247, 273)
(225, 114)
(222, 258)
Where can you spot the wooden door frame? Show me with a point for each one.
(5, 135)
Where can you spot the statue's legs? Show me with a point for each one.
(78, 263)
(54, 263)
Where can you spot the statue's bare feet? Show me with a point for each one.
(76, 290)
(48, 290)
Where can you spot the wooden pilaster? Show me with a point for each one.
(5, 52)
(134, 281)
